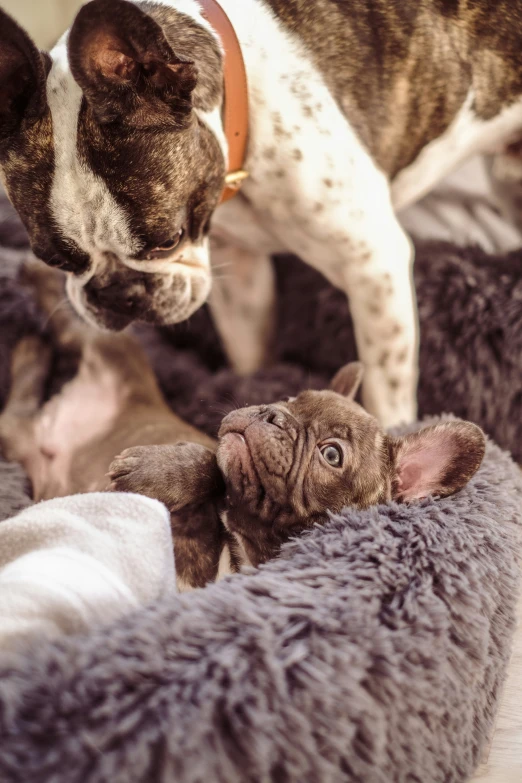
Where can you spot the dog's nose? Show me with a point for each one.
(116, 298)
(273, 415)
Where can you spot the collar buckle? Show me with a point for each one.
(234, 179)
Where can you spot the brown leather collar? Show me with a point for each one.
(235, 118)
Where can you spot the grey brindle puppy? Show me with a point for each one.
(112, 149)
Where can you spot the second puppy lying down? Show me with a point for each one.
(279, 469)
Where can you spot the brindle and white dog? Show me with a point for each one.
(112, 149)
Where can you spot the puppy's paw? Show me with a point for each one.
(138, 470)
(178, 475)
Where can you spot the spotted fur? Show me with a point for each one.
(123, 139)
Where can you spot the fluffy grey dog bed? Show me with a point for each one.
(372, 651)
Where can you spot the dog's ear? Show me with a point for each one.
(348, 380)
(126, 68)
(23, 75)
(438, 460)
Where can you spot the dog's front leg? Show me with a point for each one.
(345, 227)
(378, 282)
(242, 304)
(376, 275)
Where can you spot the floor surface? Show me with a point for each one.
(503, 763)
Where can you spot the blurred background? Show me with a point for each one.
(44, 20)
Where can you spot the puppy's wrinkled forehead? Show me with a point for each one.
(109, 144)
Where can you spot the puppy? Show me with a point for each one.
(115, 149)
(280, 469)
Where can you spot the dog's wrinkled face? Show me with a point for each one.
(287, 465)
(110, 150)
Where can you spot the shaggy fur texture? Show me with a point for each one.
(373, 650)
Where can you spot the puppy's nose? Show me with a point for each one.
(273, 415)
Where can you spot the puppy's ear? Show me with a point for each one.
(23, 74)
(438, 460)
(348, 380)
(126, 68)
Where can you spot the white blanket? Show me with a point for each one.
(70, 564)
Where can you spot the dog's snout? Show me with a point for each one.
(117, 298)
(273, 415)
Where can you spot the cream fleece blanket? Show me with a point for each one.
(70, 564)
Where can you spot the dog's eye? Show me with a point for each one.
(332, 455)
(166, 247)
(170, 244)
(76, 262)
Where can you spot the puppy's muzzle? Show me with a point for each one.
(271, 414)
(238, 421)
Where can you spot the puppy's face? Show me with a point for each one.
(287, 465)
(110, 150)
(295, 460)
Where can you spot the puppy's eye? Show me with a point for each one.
(332, 455)
(166, 247)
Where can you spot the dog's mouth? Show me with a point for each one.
(100, 318)
(246, 491)
(106, 319)
(233, 449)
(169, 305)
(237, 463)
(240, 460)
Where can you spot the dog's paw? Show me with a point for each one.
(137, 470)
(178, 475)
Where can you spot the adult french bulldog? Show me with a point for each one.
(113, 150)
(275, 471)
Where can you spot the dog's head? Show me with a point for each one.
(286, 465)
(111, 150)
